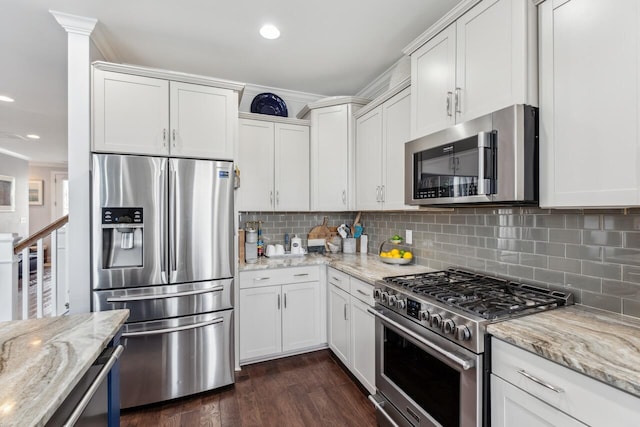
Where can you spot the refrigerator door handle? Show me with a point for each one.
(153, 296)
(176, 329)
(172, 219)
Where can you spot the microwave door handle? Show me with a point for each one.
(483, 143)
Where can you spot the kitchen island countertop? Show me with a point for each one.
(366, 267)
(42, 360)
(597, 343)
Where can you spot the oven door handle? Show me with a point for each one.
(465, 364)
(380, 409)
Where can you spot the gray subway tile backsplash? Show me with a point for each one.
(593, 254)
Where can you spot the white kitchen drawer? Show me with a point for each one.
(279, 276)
(339, 279)
(588, 400)
(363, 291)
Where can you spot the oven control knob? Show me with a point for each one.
(423, 314)
(463, 333)
(435, 320)
(376, 294)
(448, 326)
(392, 299)
(384, 296)
(400, 303)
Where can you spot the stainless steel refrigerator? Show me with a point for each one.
(162, 246)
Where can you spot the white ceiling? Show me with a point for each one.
(328, 47)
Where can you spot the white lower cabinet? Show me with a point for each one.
(528, 390)
(282, 312)
(351, 326)
(511, 406)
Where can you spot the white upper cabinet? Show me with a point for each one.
(202, 121)
(273, 159)
(130, 113)
(433, 79)
(139, 110)
(369, 160)
(589, 112)
(483, 61)
(380, 137)
(291, 177)
(332, 152)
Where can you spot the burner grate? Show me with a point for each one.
(485, 296)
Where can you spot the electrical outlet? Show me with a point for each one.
(408, 237)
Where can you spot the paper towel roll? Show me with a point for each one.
(364, 239)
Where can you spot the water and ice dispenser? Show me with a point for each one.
(122, 237)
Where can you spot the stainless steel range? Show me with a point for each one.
(430, 339)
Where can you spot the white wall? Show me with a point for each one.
(18, 220)
(40, 215)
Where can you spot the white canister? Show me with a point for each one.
(349, 245)
(364, 241)
(296, 245)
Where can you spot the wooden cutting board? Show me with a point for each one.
(320, 231)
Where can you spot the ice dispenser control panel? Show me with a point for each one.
(122, 216)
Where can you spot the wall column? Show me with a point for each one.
(9, 302)
(78, 258)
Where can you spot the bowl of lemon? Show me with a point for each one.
(396, 256)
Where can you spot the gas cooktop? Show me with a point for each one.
(457, 304)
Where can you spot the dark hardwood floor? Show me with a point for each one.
(306, 390)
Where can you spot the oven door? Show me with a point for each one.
(426, 378)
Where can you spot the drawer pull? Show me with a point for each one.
(258, 279)
(300, 274)
(336, 279)
(366, 294)
(539, 381)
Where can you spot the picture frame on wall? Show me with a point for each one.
(7, 193)
(36, 192)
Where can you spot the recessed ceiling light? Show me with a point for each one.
(33, 136)
(269, 31)
(6, 98)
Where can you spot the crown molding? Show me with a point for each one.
(170, 75)
(75, 24)
(274, 119)
(101, 43)
(381, 83)
(332, 101)
(384, 97)
(455, 13)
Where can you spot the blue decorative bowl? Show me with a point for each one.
(269, 103)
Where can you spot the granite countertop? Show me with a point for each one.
(366, 267)
(599, 344)
(42, 360)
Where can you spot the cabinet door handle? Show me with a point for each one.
(278, 301)
(382, 193)
(278, 197)
(539, 381)
(377, 193)
(345, 312)
(344, 197)
(285, 300)
(164, 137)
(458, 100)
(174, 138)
(271, 198)
(449, 95)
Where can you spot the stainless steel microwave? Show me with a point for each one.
(492, 159)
